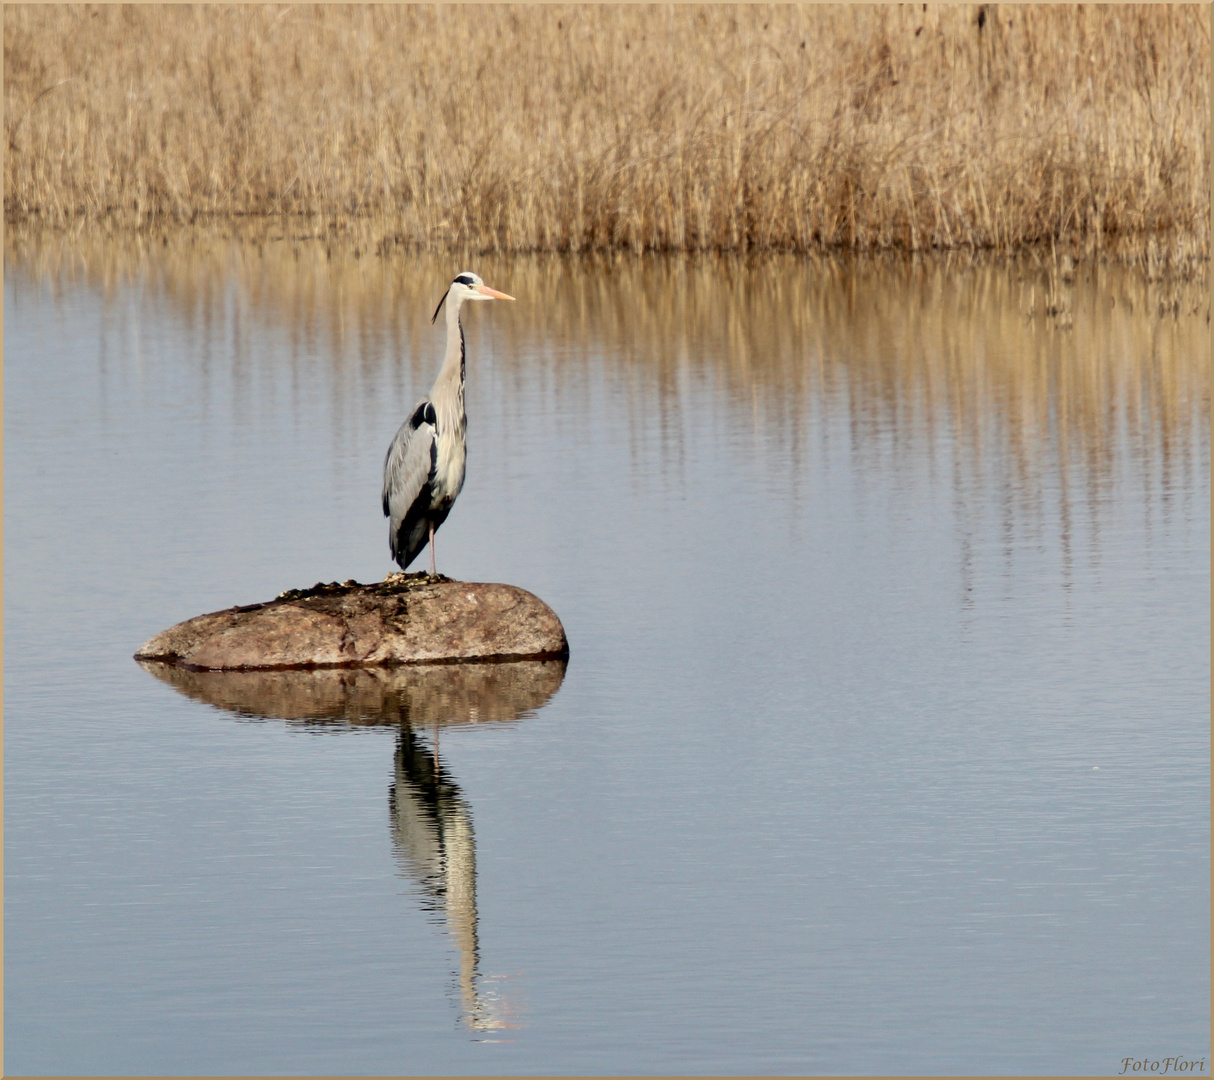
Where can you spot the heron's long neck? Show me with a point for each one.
(449, 387)
(453, 362)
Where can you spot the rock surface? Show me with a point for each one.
(404, 619)
(420, 695)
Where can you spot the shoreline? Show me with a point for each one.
(372, 238)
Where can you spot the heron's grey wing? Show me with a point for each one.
(407, 465)
(408, 462)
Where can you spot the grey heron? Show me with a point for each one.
(424, 466)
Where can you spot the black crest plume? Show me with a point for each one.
(440, 306)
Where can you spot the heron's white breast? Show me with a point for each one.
(449, 463)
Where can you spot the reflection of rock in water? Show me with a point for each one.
(432, 831)
(422, 694)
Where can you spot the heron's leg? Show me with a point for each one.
(433, 572)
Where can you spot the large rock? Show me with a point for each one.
(404, 619)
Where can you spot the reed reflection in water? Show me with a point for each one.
(431, 820)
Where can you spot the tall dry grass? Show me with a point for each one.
(652, 128)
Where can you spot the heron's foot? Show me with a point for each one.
(422, 577)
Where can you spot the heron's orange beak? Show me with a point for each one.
(493, 294)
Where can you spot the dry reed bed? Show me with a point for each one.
(650, 128)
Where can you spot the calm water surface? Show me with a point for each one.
(883, 745)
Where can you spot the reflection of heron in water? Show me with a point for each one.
(432, 830)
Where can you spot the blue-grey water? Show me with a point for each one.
(883, 746)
